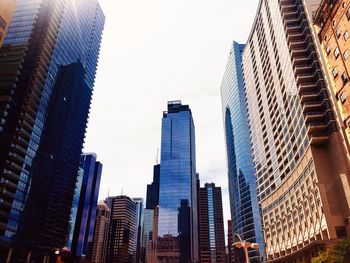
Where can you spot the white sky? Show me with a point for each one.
(154, 51)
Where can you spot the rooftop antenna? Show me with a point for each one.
(108, 193)
(122, 190)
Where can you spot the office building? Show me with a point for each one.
(332, 19)
(152, 201)
(83, 220)
(139, 228)
(121, 247)
(7, 7)
(177, 223)
(211, 225)
(39, 154)
(299, 157)
(99, 249)
(241, 173)
(230, 252)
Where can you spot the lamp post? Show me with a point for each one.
(245, 245)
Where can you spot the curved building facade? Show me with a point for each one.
(244, 206)
(301, 170)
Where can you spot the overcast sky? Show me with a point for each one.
(154, 51)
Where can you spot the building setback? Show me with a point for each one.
(244, 207)
(121, 247)
(211, 225)
(299, 157)
(177, 222)
(7, 7)
(99, 249)
(83, 222)
(43, 42)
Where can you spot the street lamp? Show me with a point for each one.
(245, 245)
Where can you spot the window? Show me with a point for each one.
(348, 14)
(345, 78)
(338, 33)
(335, 72)
(346, 35)
(336, 53)
(342, 97)
(346, 55)
(328, 50)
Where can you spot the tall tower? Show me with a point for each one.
(83, 222)
(121, 246)
(211, 225)
(245, 214)
(7, 8)
(99, 248)
(47, 68)
(299, 157)
(177, 223)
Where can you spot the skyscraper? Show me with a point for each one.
(47, 43)
(241, 174)
(139, 226)
(99, 249)
(152, 201)
(7, 8)
(121, 246)
(211, 225)
(83, 223)
(300, 161)
(177, 223)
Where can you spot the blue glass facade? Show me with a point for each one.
(242, 183)
(177, 225)
(47, 41)
(83, 223)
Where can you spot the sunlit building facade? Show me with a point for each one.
(299, 158)
(246, 222)
(47, 44)
(177, 223)
(211, 225)
(7, 7)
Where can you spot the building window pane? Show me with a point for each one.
(336, 53)
(328, 50)
(338, 33)
(345, 78)
(348, 14)
(346, 35)
(346, 55)
(335, 72)
(342, 97)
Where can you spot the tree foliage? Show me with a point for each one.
(340, 253)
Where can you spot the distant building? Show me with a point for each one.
(99, 249)
(121, 246)
(7, 7)
(211, 225)
(152, 200)
(177, 223)
(230, 242)
(139, 226)
(84, 222)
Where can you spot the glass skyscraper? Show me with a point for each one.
(177, 225)
(244, 207)
(84, 212)
(48, 43)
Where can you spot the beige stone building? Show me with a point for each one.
(300, 159)
(6, 10)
